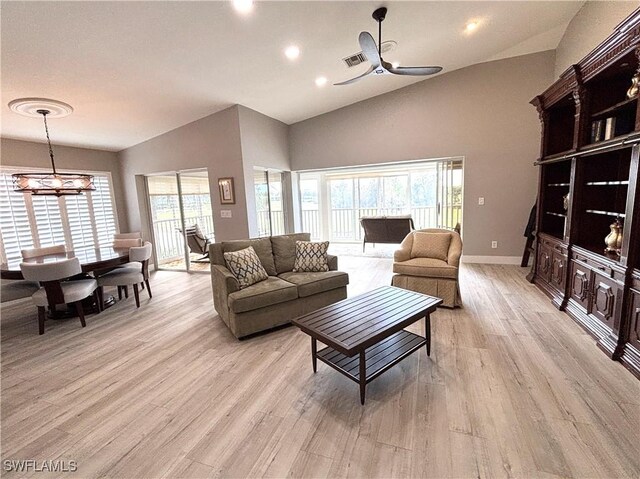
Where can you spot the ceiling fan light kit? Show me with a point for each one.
(373, 53)
(54, 183)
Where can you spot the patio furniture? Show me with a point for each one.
(428, 262)
(122, 277)
(365, 334)
(55, 291)
(385, 229)
(282, 296)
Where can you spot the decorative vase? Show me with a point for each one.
(565, 202)
(632, 92)
(614, 238)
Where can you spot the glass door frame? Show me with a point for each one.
(185, 242)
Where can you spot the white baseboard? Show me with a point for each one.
(492, 259)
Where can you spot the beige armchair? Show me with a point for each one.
(427, 262)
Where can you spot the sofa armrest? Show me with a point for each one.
(455, 251)
(333, 262)
(404, 252)
(224, 280)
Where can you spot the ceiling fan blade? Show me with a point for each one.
(369, 71)
(414, 70)
(369, 48)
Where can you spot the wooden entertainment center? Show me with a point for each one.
(589, 178)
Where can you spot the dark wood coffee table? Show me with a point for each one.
(370, 326)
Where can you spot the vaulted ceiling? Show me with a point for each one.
(134, 70)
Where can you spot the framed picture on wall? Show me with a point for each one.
(227, 194)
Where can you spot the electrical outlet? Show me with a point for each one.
(494, 244)
(225, 213)
(481, 201)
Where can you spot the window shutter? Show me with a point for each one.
(79, 221)
(103, 211)
(14, 219)
(46, 210)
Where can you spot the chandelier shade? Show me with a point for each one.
(53, 183)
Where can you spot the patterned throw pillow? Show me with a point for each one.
(245, 266)
(311, 257)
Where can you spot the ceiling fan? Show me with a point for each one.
(374, 55)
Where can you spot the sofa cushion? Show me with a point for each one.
(313, 283)
(262, 247)
(265, 293)
(426, 267)
(431, 245)
(311, 257)
(245, 266)
(284, 250)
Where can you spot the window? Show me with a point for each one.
(36, 221)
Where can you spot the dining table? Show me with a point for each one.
(92, 261)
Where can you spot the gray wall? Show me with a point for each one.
(481, 112)
(265, 143)
(212, 142)
(593, 23)
(29, 154)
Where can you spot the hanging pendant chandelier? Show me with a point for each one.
(53, 183)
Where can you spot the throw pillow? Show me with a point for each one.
(431, 245)
(311, 257)
(245, 266)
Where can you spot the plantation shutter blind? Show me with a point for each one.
(48, 220)
(103, 211)
(79, 224)
(14, 220)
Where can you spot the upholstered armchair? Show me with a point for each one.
(427, 262)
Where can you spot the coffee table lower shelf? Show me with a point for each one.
(378, 358)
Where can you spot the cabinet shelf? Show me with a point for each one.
(560, 215)
(607, 183)
(606, 213)
(558, 184)
(618, 107)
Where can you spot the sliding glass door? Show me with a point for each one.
(181, 219)
(269, 195)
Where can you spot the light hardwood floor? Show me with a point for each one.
(513, 388)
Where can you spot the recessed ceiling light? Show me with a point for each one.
(471, 26)
(292, 52)
(243, 6)
(395, 64)
(321, 81)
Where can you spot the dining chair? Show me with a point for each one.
(132, 235)
(55, 291)
(122, 277)
(12, 289)
(34, 252)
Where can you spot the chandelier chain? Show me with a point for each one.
(46, 129)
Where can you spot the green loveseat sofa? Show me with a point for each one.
(278, 299)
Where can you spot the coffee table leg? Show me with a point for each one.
(363, 376)
(314, 354)
(427, 333)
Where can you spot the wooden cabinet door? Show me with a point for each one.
(634, 330)
(579, 282)
(544, 262)
(603, 299)
(557, 273)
